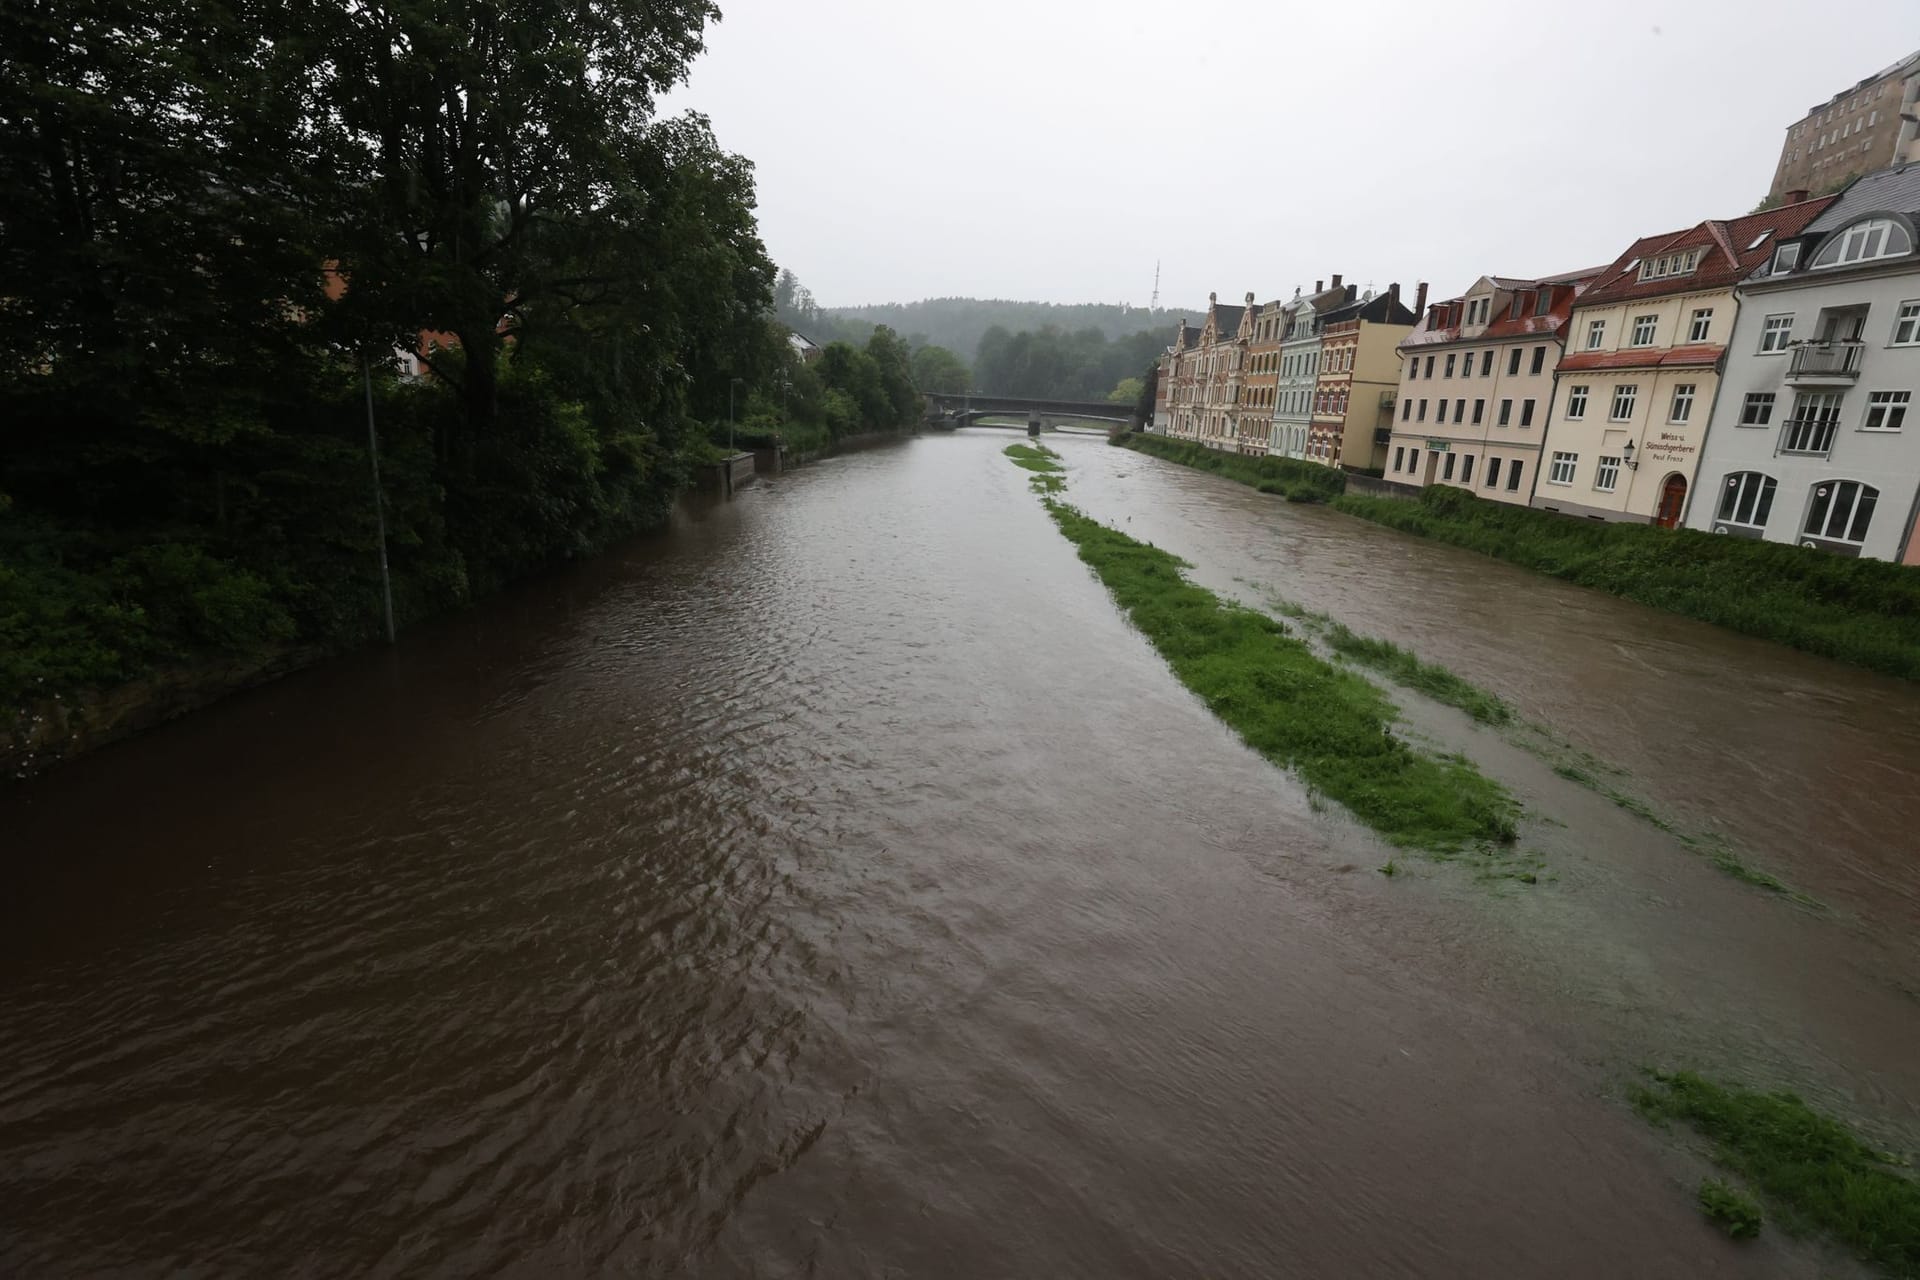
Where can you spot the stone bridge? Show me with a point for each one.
(964, 410)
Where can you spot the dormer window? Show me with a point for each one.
(1671, 264)
(1786, 258)
(1544, 304)
(1863, 242)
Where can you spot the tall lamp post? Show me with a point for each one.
(731, 384)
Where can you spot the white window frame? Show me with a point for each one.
(1650, 325)
(1908, 316)
(1701, 326)
(1571, 464)
(1776, 337)
(1681, 408)
(1886, 405)
(1752, 489)
(1629, 393)
(1867, 240)
(1577, 402)
(1606, 475)
(1596, 334)
(1815, 419)
(1861, 491)
(1761, 400)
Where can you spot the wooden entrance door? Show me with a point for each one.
(1673, 497)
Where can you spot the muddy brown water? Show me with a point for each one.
(835, 885)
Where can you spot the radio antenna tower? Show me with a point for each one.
(1155, 304)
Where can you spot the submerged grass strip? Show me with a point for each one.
(1332, 727)
(1815, 1172)
(1405, 668)
(1034, 457)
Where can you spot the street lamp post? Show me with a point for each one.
(731, 384)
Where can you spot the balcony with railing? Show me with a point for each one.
(1808, 437)
(1827, 364)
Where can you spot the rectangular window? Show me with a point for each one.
(1466, 469)
(1886, 411)
(1576, 404)
(1493, 473)
(1399, 457)
(1643, 327)
(1513, 363)
(1539, 359)
(1486, 364)
(1513, 475)
(1757, 409)
(1429, 372)
(1450, 360)
(1440, 410)
(1544, 303)
(1776, 333)
(1506, 412)
(1785, 258)
(1623, 398)
(1479, 411)
(1413, 369)
(1606, 475)
(1596, 334)
(1816, 416)
(1702, 322)
(1406, 408)
(1563, 467)
(1526, 413)
(1906, 326)
(1446, 471)
(1459, 410)
(1682, 403)
(1422, 415)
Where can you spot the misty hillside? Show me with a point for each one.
(958, 323)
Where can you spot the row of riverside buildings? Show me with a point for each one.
(1748, 376)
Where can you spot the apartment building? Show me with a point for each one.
(1262, 381)
(1476, 383)
(1299, 375)
(1809, 442)
(1637, 383)
(1359, 369)
(1867, 126)
(1207, 370)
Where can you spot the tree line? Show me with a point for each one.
(227, 229)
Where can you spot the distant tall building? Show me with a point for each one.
(1868, 126)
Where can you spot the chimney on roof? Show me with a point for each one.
(1420, 299)
(1212, 298)
(1319, 286)
(1393, 295)
(1249, 297)
(1336, 279)
(1795, 196)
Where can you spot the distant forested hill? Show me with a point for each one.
(958, 324)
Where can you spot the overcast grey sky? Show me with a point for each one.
(1054, 149)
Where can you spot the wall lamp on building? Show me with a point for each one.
(1626, 452)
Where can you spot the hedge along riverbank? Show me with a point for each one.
(1865, 613)
(1291, 478)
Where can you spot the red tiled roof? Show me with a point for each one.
(1551, 325)
(1698, 353)
(1728, 259)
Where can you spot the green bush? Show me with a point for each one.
(1291, 478)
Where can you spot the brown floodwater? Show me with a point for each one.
(834, 885)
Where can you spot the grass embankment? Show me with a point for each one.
(1331, 727)
(1292, 479)
(1862, 612)
(1814, 1173)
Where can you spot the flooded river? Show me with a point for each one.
(836, 886)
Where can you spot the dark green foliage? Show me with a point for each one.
(1330, 726)
(938, 369)
(1813, 1171)
(1053, 364)
(959, 324)
(1730, 1208)
(1297, 481)
(1864, 612)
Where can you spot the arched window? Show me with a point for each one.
(1841, 510)
(1863, 242)
(1747, 499)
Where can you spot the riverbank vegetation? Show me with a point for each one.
(1331, 727)
(1033, 457)
(1862, 612)
(1291, 478)
(230, 242)
(1815, 1173)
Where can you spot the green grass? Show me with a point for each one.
(1034, 457)
(1862, 612)
(1815, 1174)
(1330, 726)
(1730, 1208)
(1047, 484)
(1405, 668)
(1291, 478)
